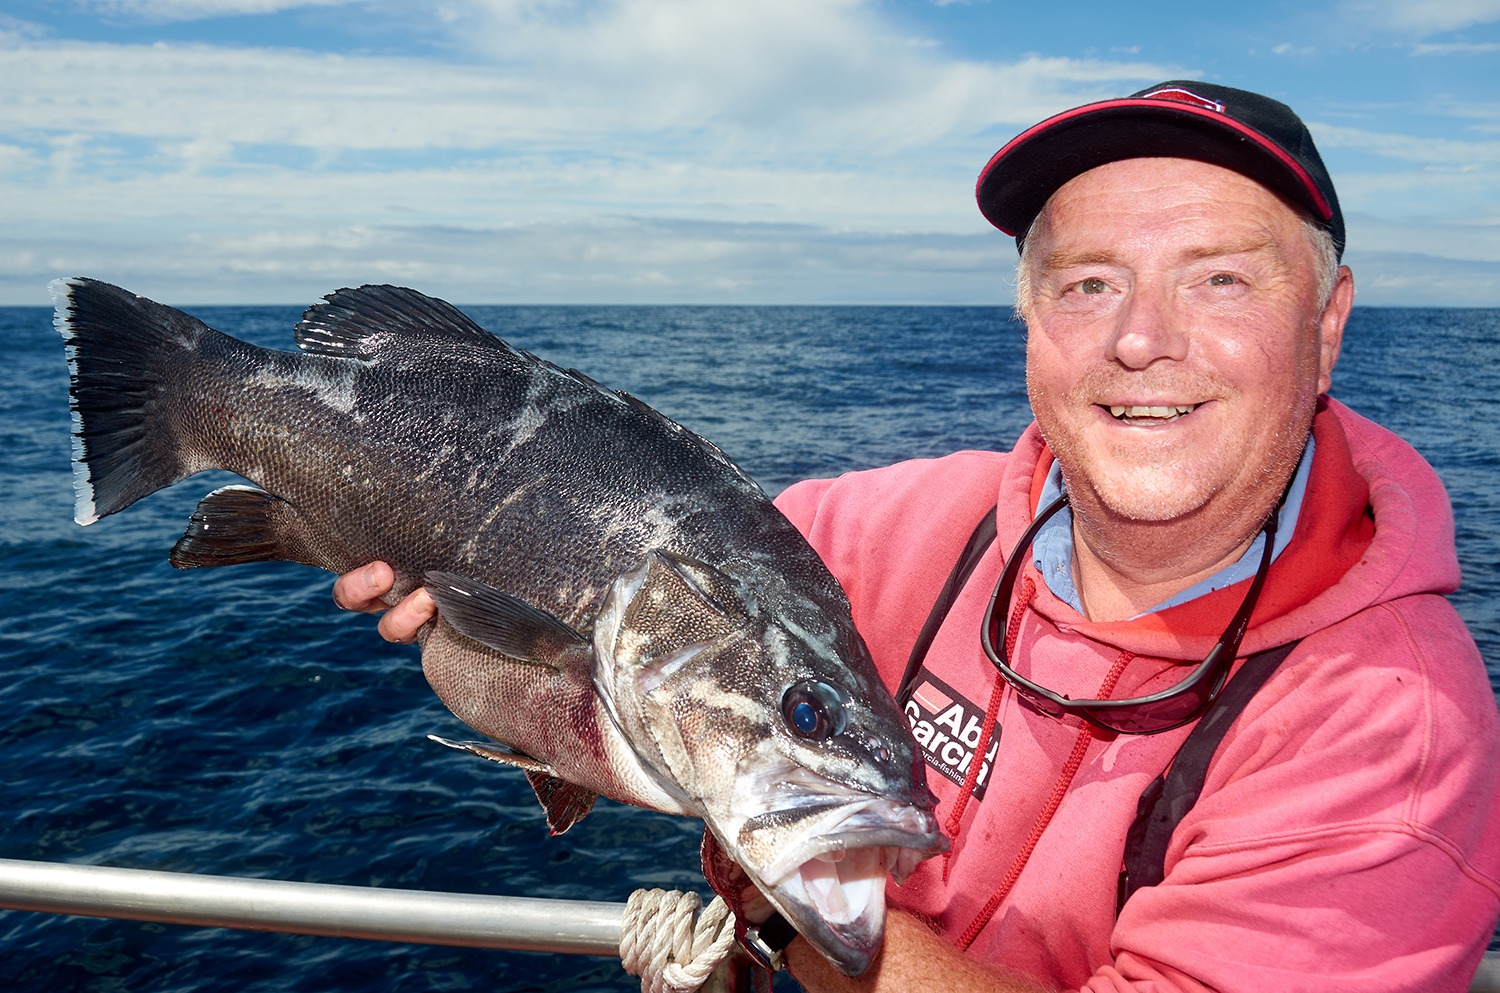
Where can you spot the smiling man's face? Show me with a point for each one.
(1176, 342)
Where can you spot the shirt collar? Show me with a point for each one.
(1052, 552)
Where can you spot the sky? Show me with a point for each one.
(678, 151)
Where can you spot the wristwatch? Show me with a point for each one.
(765, 942)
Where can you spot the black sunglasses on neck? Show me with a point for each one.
(1172, 707)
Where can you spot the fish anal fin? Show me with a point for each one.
(496, 752)
(500, 621)
(564, 802)
(235, 524)
(361, 323)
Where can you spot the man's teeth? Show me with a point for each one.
(1118, 411)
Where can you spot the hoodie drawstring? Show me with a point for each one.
(1086, 735)
(991, 713)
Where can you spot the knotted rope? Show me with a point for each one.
(669, 944)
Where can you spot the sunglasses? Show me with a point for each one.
(1171, 708)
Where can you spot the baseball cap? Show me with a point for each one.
(1254, 135)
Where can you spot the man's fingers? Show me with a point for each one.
(401, 622)
(361, 589)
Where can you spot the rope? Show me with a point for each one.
(669, 944)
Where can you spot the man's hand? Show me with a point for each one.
(361, 590)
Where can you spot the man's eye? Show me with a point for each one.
(1221, 279)
(1092, 285)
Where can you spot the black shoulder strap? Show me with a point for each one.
(979, 543)
(1171, 795)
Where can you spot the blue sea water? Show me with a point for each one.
(233, 722)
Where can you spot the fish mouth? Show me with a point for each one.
(831, 885)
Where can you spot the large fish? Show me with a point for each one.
(622, 610)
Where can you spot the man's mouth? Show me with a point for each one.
(1141, 416)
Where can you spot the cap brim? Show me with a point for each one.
(1018, 179)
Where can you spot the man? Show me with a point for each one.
(1185, 308)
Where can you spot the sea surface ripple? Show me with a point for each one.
(233, 722)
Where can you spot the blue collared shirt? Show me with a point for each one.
(1052, 552)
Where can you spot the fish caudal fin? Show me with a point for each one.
(235, 524)
(122, 351)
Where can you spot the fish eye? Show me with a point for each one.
(814, 710)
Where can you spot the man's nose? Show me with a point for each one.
(1150, 328)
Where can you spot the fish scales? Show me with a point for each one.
(622, 610)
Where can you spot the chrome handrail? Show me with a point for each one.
(572, 927)
(517, 923)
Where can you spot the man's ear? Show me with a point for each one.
(1331, 326)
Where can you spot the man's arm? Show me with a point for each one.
(913, 958)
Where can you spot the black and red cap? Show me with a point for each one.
(1251, 134)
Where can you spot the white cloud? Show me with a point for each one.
(809, 112)
(1475, 237)
(1447, 154)
(768, 79)
(604, 150)
(598, 260)
(1486, 114)
(1408, 279)
(1424, 17)
(1457, 48)
(166, 11)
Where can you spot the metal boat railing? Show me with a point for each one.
(570, 927)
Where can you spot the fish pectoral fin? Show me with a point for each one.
(564, 802)
(235, 524)
(500, 621)
(497, 752)
(360, 323)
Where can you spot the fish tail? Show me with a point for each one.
(124, 355)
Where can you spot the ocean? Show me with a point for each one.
(233, 722)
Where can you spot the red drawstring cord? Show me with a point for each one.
(1012, 631)
(1064, 780)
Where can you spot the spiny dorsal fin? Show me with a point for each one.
(496, 752)
(357, 323)
(500, 621)
(564, 802)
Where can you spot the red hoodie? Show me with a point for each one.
(1348, 833)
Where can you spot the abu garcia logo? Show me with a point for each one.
(947, 727)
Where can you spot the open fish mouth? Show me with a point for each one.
(831, 885)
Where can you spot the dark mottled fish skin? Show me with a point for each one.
(404, 432)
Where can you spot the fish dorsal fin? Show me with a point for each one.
(358, 323)
(496, 752)
(500, 621)
(564, 802)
